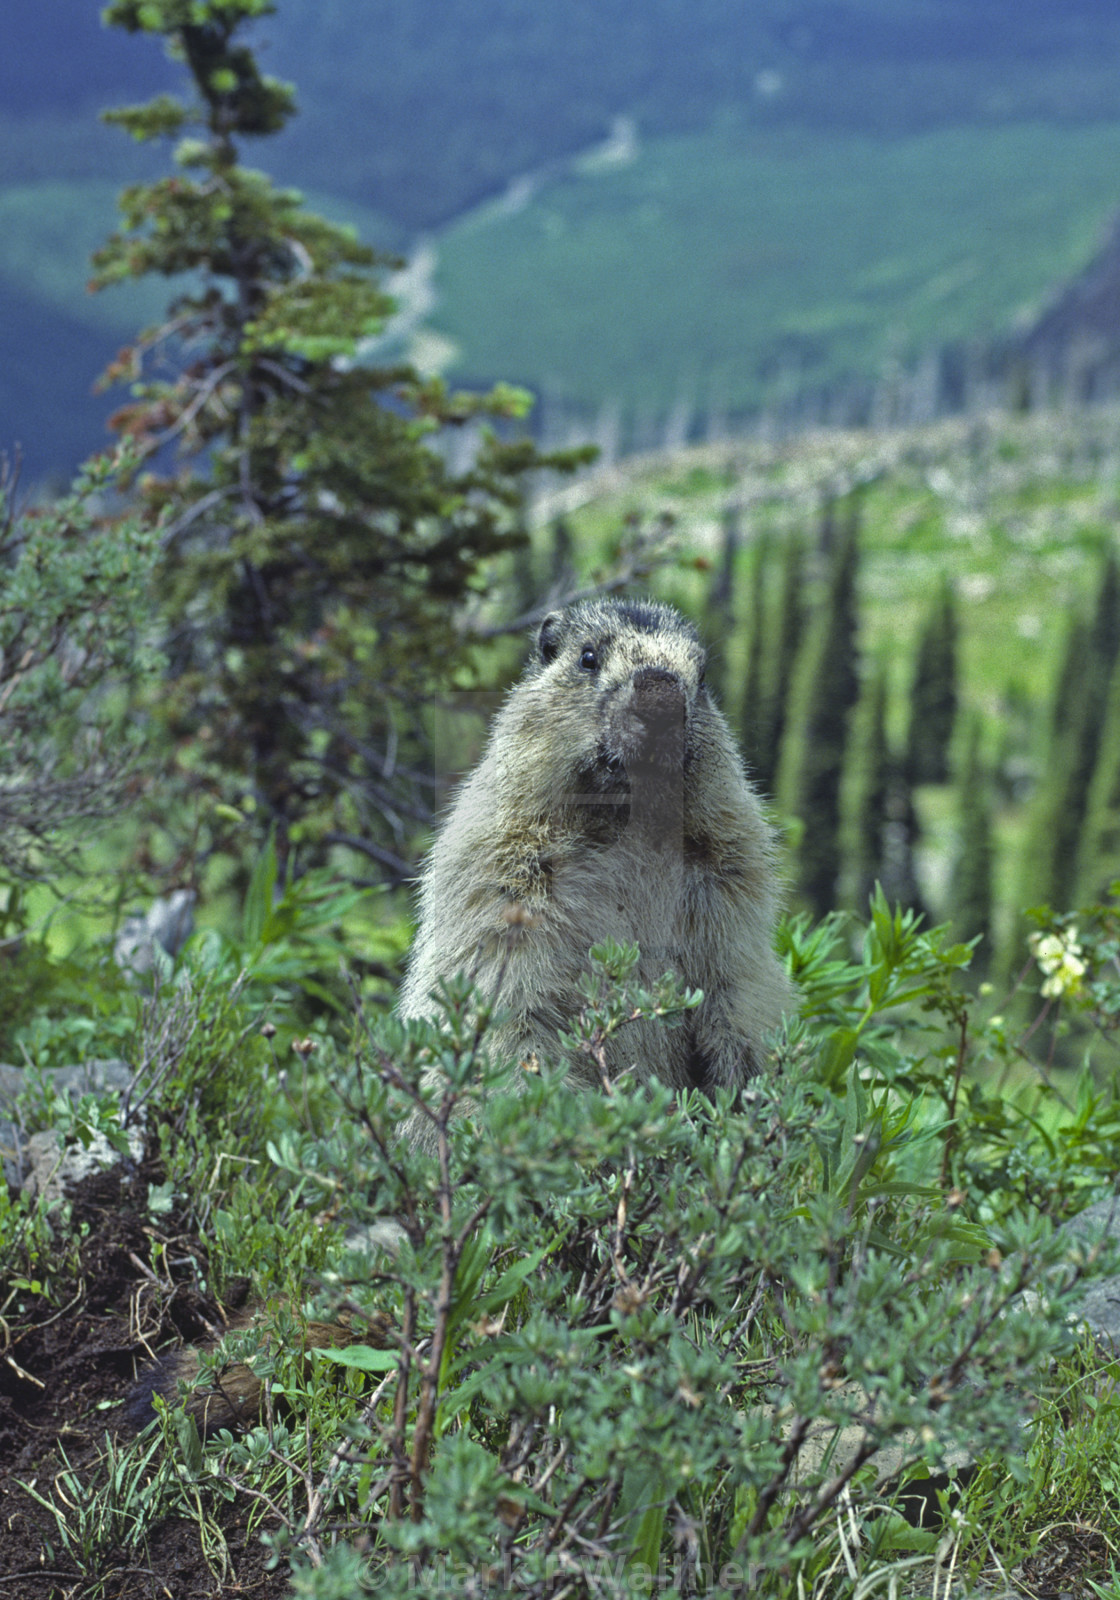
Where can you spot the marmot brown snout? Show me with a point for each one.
(610, 801)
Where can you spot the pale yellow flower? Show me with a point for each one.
(1059, 959)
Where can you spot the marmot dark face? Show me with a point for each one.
(635, 670)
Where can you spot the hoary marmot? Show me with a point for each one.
(611, 801)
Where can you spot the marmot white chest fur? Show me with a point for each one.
(611, 801)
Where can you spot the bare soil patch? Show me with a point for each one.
(66, 1373)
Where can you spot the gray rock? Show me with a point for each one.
(53, 1169)
(27, 1163)
(88, 1077)
(166, 926)
(1098, 1302)
(382, 1236)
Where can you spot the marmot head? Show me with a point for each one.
(632, 672)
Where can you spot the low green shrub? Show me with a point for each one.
(642, 1339)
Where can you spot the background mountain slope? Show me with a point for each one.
(417, 115)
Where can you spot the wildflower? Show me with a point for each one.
(1060, 960)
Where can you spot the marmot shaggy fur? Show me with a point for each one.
(611, 801)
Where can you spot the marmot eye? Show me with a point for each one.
(588, 660)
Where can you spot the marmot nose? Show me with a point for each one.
(658, 680)
(657, 687)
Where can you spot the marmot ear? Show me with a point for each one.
(548, 640)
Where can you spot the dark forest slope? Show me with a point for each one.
(416, 112)
(419, 111)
